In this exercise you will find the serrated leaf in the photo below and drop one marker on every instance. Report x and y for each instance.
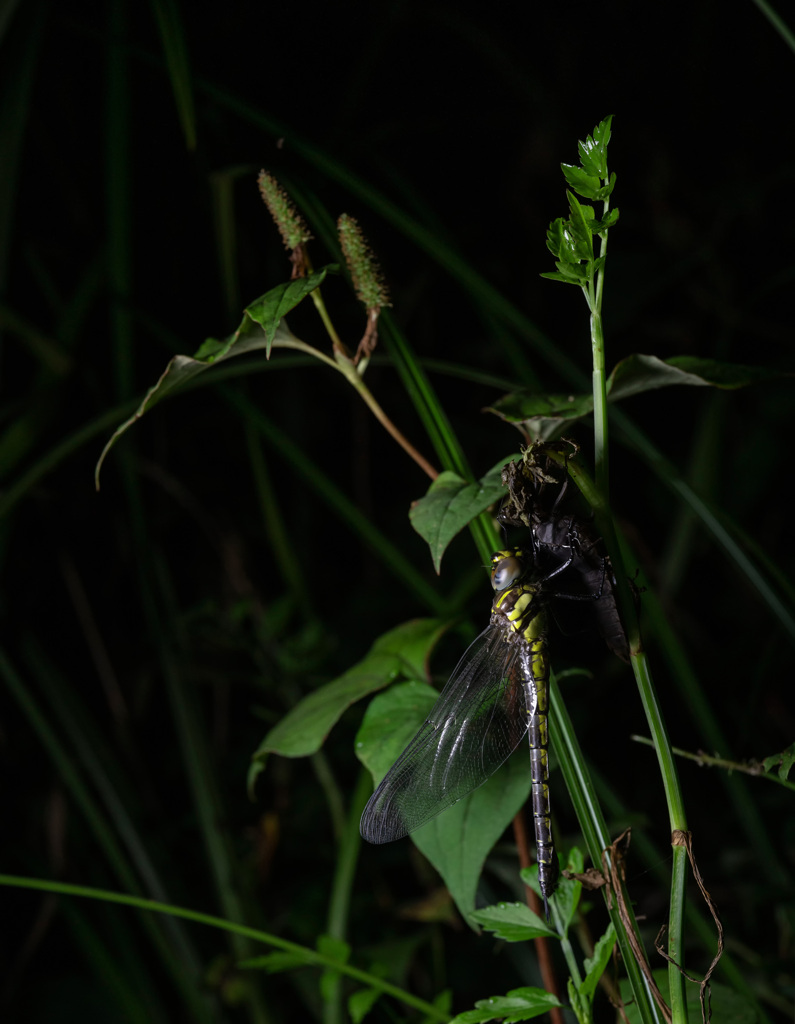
(450, 504)
(594, 966)
(513, 922)
(587, 185)
(304, 729)
(555, 236)
(593, 152)
(599, 226)
(580, 227)
(553, 275)
(519, 1004)
(567, 893)
(573, 273)
(360, 1003)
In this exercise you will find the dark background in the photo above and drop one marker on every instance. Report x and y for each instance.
(460, 116)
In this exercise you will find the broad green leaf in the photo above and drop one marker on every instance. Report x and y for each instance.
(514, 922)
(567, 892)
(460, 838)
(303, 730)
(542, 416)
(390, 721)
(587, 184)
(181, 370)
(361, 1002)
(594, 966)
(639, 373)
(262, 324)
(268, 309)
(458, 841)
(519, 1004)
(450, 504)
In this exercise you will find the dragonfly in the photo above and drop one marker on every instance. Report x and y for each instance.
(562, 540)
(497, 695)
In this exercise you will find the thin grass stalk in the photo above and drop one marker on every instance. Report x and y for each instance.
(127, 984)
(310, 956)
(348, 847)
(360, 525)
(597, 838)
(106, 840)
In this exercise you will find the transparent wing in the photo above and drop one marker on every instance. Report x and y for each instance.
(477, 722)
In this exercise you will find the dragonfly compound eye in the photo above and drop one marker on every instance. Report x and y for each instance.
(505, 572)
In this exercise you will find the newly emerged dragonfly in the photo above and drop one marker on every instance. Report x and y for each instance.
(564, 543)
(497, 695)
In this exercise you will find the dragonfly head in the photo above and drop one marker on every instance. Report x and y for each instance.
(506, 568)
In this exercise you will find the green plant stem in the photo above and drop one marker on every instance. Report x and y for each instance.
(310, 956)
(594, 298)
(350, 843)
(597, 839)
(709, 761)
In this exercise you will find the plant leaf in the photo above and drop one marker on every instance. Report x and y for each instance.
(459, 839)
(582, 181)
(450, 504)
(514, 922)
(783, 761)
(595, 966)
(361, 1002)
(303, 729)
(519, 1004)
(262, 324)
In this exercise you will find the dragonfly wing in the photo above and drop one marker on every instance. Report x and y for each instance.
(477, 722)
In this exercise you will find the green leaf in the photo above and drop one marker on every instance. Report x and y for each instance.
(600, 226)
(519, 1004)
(555, 241)
(269, 308)
(783, 761)
(390, 721)
(459, 839)
(573, 273)
(639, 373)
(593, 152)
(514, 922)
(582, 181)
(542, 416)
(273, 963)
(594, 966)
(567, 893)
(334, 948)
(450, 504)
(360, 1003)
(580, 227)
(303, 730)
